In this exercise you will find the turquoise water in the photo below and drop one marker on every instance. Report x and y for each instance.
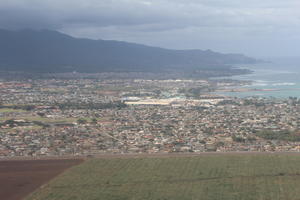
(283, 77)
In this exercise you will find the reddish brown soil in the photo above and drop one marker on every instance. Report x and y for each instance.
(18, 178)
(21, 176)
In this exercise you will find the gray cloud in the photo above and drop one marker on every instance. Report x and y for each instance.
(224, 25)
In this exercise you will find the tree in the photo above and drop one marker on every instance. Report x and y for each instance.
(81, 121)
(94, 121)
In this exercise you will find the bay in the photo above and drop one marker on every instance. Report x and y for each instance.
(280, 79)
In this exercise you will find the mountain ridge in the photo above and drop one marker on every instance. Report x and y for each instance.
(52, 51)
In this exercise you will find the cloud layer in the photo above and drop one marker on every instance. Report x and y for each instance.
(269, 27)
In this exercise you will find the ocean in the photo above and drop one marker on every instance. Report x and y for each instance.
(280, 79)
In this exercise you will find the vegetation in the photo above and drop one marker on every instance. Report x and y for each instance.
(73, 105)
(10, 110)
(30, 118)
(69, 54)
(81, 121)
(16, 108)
(238, 139)
(205, 177)
(195, 92)
(286, 135)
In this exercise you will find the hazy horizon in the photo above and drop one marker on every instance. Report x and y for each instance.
(255, 28)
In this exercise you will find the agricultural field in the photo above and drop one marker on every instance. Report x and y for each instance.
(18, 178)
(205, 177)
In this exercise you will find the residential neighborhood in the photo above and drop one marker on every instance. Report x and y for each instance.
(59, 117)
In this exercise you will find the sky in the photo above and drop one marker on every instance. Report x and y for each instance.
(259, 28)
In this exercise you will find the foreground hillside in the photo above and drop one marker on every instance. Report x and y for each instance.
(207, 177)
(51, 51)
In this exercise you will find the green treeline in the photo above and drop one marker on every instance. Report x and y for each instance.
(285, 135)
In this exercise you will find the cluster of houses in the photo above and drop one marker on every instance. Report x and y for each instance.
(193, 125)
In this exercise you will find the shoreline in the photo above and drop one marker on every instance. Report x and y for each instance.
(262, 82)
(257, 90)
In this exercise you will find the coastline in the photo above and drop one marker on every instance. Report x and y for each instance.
(265, 80)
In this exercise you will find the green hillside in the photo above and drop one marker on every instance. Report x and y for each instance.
(205, 177)
(52, 51)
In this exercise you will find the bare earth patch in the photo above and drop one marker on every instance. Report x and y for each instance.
(18, 178)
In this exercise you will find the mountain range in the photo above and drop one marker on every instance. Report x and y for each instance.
(52, 51)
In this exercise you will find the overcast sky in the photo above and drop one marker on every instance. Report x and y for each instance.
(253, 27)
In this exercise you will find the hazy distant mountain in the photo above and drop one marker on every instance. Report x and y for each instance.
(51, 51)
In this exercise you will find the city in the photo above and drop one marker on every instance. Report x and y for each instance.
(58, 117)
